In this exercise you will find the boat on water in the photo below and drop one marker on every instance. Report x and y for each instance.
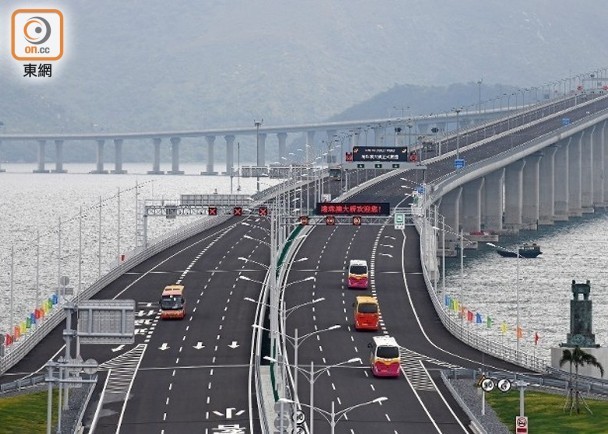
(525, 251)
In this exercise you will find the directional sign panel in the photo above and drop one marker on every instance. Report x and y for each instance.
(380, 153)
(399, 220)
(106, 322)
(353, 208)
(459, 163)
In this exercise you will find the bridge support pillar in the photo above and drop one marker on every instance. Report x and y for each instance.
(574, 176)
(331, 137)
(561, 183)
(99, 165)
(378, 135)
(471, 206)
(599, 155)
(354, 138)
(493, 201)
(282, 138)
(41, 157)
(310, 145)
(603, 142)
(118, 170)
(546, 205)
(156, 163)
(210, 156)
(261, 152)
(513, 196)
(59, 157)
(587, 158)
(175, 157)
(229, 154)
(531, 192)
(450, 209)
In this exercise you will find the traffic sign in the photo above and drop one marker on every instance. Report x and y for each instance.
(487, 384)
(399, 220)
(380, 153)
(420, 189)
(237, 211)
(377, 165)
(459, 163)
(330, 220)
(303, 220)
(263, 211)
(521, 424)
(504, 385)
(212, 210)
(299, 416)
(565, 121)
(356, 220)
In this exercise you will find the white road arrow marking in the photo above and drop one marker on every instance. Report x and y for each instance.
(164, 347)
(198, 346)
(118, 348)
(233, 345)
(388, 245)
(385, 254)
(229, 412)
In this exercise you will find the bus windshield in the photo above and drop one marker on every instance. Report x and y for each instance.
(171, 302)
(387, 352)
(368, 308)
(358, 269)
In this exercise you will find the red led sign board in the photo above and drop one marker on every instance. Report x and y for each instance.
(350, 208)
(379, 153)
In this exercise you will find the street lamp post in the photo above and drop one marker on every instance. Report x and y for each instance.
(312, 377)
(334, 417)
(296, 341)
(458, 110)
(257, 151)
(479, 94)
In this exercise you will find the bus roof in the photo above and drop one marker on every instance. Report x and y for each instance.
(358, 262)
(173, 290)
(366, 299)
(385, 341)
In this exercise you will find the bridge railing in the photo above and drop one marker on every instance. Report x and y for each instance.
(458, 326)
(17, 350)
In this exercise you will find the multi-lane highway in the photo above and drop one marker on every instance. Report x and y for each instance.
(193, 375)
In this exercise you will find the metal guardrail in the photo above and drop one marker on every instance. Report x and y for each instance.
(22, 383)
(16, 351)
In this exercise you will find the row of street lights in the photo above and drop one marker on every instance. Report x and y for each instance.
(278, 330)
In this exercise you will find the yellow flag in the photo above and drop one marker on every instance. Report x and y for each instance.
(503, 327)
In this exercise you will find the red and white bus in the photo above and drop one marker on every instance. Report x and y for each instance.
(358, 274)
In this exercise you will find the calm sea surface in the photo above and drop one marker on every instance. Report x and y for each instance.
(32, 206)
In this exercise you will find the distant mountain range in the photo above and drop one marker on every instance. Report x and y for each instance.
(152, 65)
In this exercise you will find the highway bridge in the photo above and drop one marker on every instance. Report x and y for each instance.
(206, 373)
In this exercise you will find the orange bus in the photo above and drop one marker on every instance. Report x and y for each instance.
(357, 274)
(172, 302)
(384, 358)
(367, 313)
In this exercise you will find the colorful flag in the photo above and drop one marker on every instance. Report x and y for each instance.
(489, 322)
(520, 333)
(503, 327)
(8, 339)
(469, 316)
(536, 338)
(478, 318)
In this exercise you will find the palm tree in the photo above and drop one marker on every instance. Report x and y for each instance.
(577, 357)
